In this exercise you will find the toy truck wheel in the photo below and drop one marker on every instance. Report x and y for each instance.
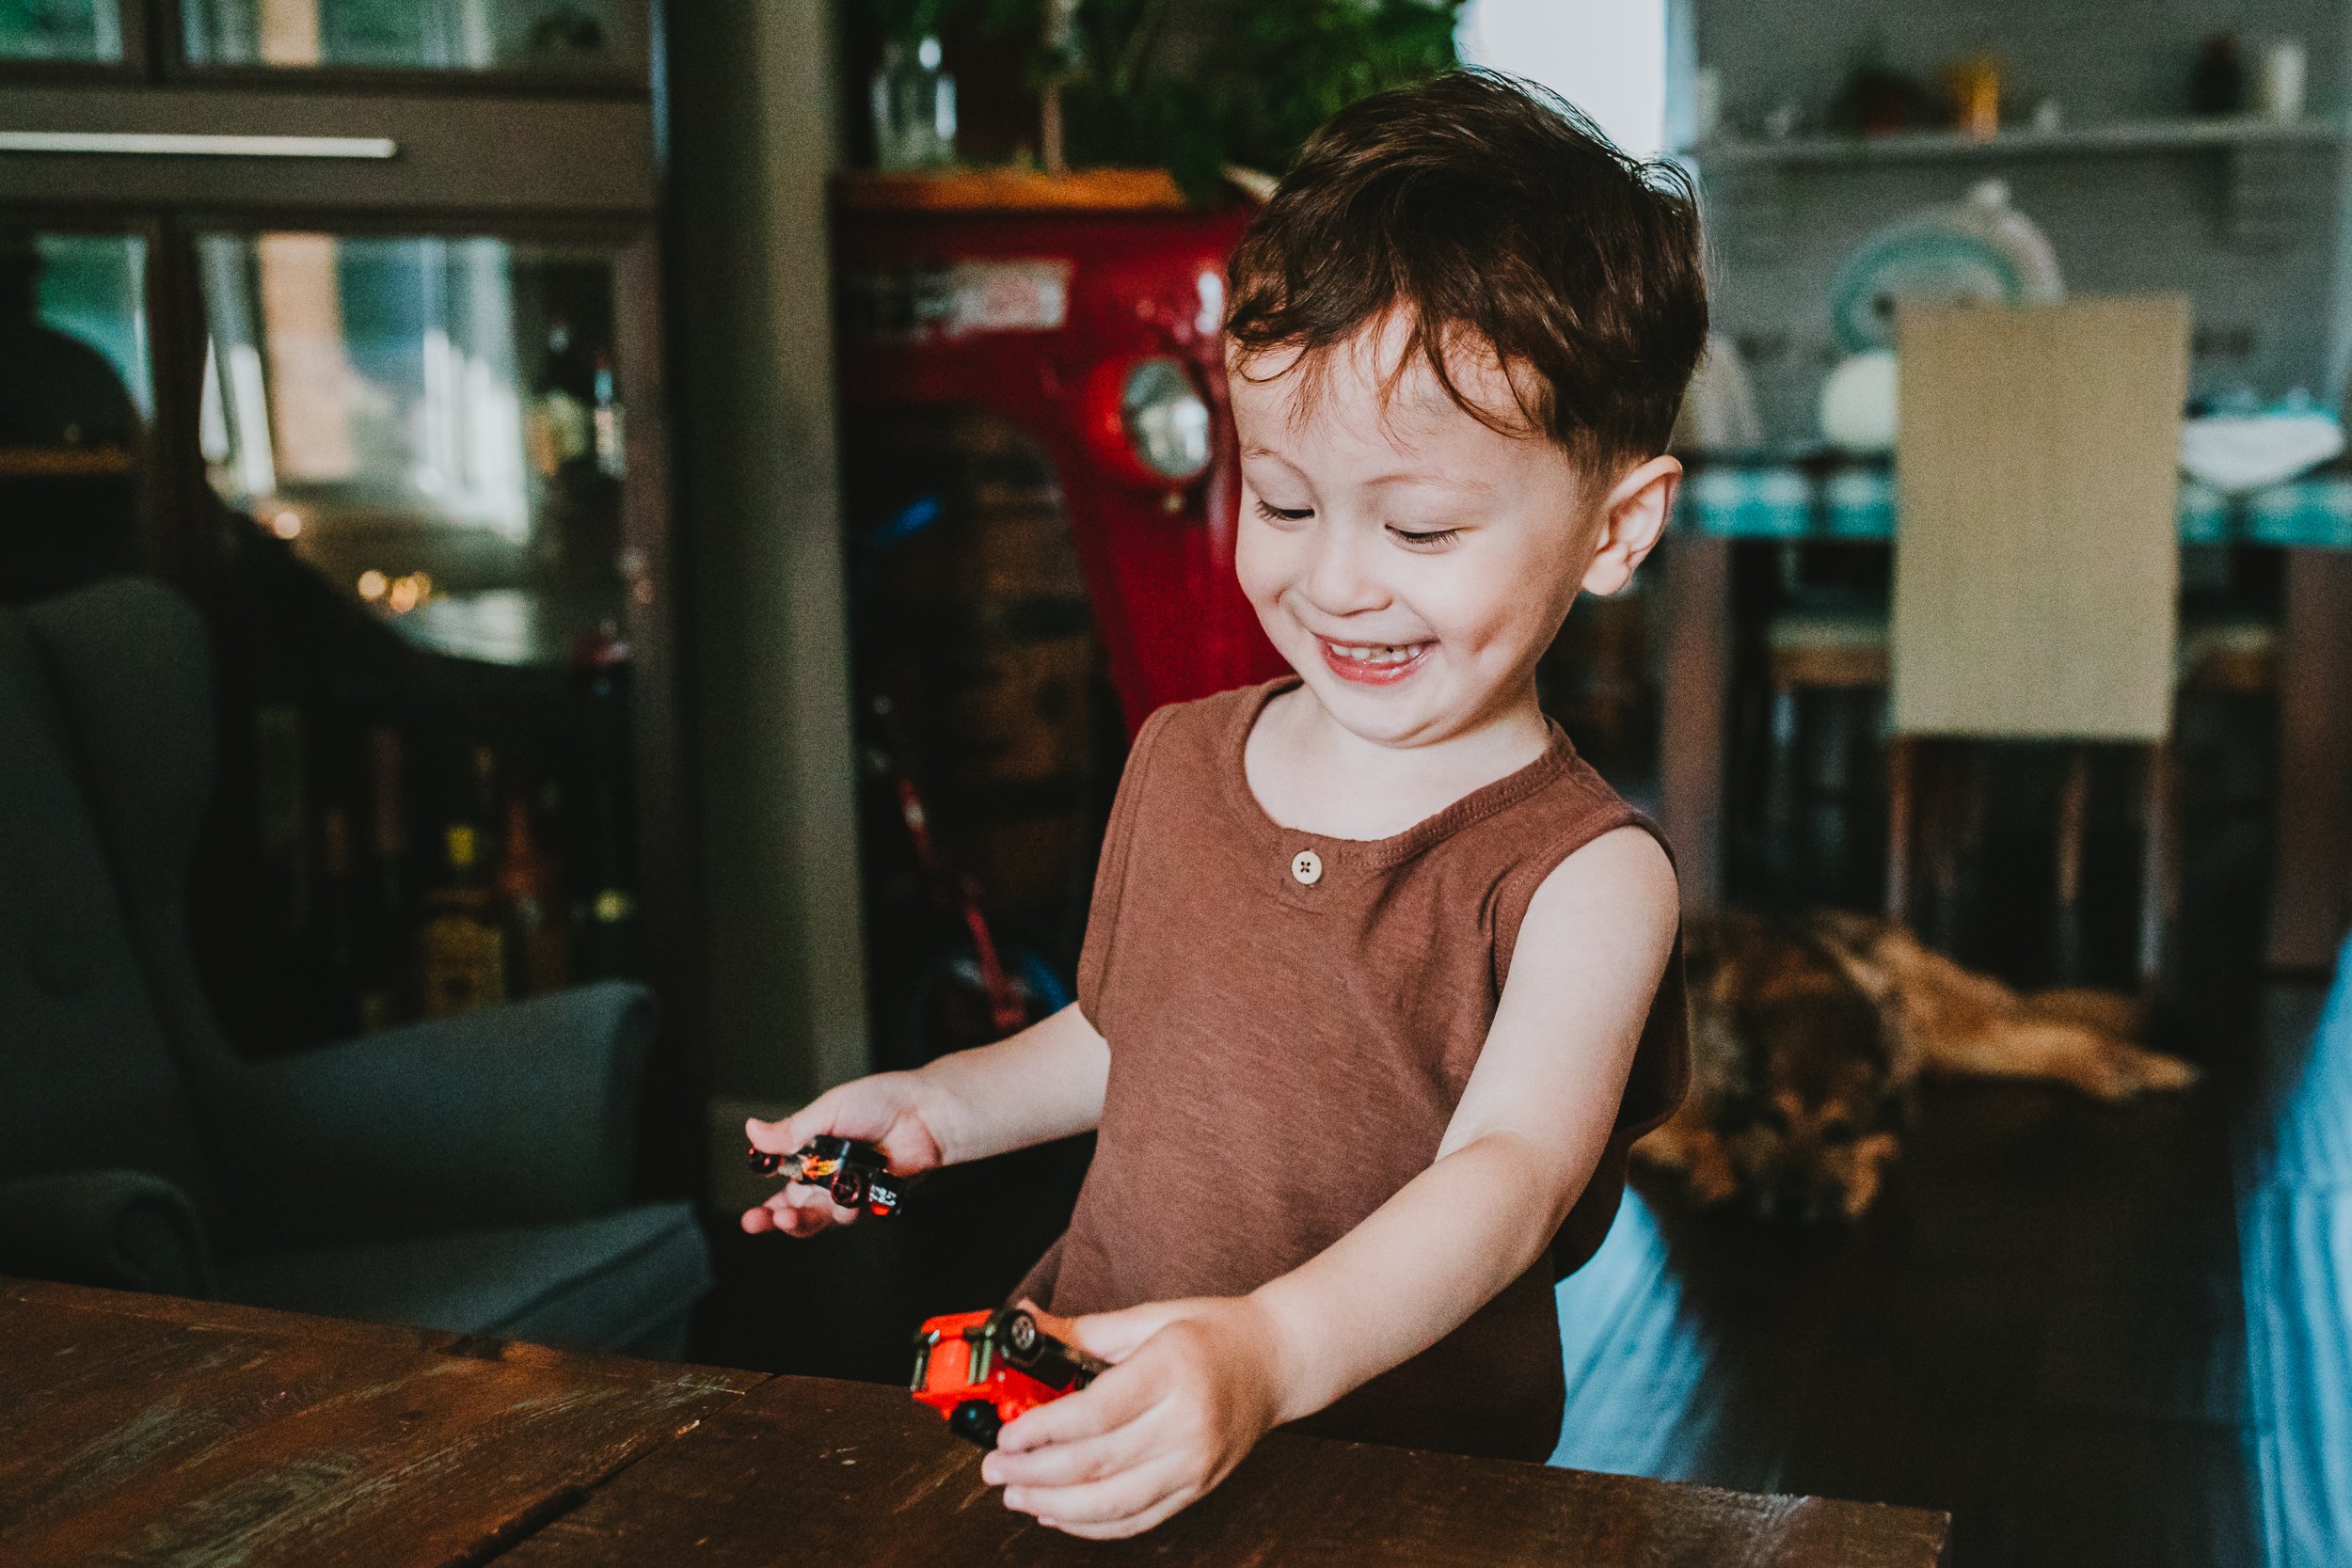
(1021, 1332)
(974, 1420)
(848, 1189)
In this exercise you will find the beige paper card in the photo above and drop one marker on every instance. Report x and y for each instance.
(2037, 560)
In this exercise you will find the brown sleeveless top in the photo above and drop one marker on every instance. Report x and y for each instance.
(1287, 1047)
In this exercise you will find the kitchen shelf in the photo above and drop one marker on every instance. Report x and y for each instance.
(2234, 134)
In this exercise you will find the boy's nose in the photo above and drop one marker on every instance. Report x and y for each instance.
(1337, 582)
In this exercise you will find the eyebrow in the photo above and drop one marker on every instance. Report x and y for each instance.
(1435, 481)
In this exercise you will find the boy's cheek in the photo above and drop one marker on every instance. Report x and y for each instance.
(1254, 551)
(1262, 584)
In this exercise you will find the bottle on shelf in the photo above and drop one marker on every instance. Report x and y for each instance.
(611, 460)
(282, 809)
(558, 430)
(608, 916)
(461, 948)
(540, 950)
(339, 987)
(611, 914)
(483, 813)
(608, 912)
(382, 960)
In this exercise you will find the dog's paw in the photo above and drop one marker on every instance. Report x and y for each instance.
(2136, 1070)
(1693, 1153)
(1867, 1172)
(2115, 1073)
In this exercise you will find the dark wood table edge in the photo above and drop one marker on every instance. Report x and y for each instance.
(228, 1317)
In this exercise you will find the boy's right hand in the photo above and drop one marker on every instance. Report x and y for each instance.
(886, 1109)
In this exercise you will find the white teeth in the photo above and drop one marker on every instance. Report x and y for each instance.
(1375, 653)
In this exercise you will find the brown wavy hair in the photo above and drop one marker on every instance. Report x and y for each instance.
(1495, 216)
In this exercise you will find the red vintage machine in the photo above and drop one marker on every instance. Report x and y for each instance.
(1085, 309)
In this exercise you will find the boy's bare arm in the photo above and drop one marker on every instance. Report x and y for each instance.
(1532, 1125)
(1199, 1382)
(1042, 1083)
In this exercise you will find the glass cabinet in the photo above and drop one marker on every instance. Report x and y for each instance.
(72, 30)
(573, 38)
(417, 450)
(77, 395)
(400, 439)
(435, 425)
(427, 35)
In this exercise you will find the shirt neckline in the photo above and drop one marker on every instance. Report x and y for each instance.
(1375, 853)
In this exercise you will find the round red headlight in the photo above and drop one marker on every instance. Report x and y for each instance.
(1149, 421)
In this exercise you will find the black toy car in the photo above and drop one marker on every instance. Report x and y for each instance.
(855, 1173)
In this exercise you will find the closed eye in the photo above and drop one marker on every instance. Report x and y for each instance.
(1285, 514)
(1424, 539)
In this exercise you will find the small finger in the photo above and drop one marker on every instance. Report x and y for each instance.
(1112, 1500)
(797, 1211)
(822, 1214)
(1066, 1463)
(1109, 1401)
(1116, 1336)
(1184, 1497)
(773, 1137)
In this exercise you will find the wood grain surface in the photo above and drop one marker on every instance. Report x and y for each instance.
(813, 1470)
(152, 1430)
(149, 1430)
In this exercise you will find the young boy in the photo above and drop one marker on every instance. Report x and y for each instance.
(1381, 980)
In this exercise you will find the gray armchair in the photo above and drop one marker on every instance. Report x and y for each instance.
(470, 1175)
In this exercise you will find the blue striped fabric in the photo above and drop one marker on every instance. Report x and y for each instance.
(1780, 501)
(2294, 1230)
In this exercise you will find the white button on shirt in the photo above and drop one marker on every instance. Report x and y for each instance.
(1307, 867)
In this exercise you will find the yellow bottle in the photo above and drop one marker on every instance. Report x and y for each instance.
(462, 949)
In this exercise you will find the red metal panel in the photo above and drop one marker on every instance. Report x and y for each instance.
(1158, 560)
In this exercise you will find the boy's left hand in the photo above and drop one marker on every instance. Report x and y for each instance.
(1193, 1389)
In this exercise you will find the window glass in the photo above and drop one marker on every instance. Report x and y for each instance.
(61, 30)
(433, 424)
(427, 35)
(1607, 57)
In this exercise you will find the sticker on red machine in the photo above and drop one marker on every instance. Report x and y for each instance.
(960, 299)
(1007, 297)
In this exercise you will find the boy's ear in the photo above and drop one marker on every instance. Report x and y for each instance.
(1632, 519)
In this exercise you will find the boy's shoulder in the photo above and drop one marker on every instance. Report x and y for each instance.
(1570, 799)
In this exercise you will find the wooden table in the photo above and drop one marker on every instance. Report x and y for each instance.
(149, 1430)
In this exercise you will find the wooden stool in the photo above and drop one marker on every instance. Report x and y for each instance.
(1961, 789)
(2037, 569)
(1821, 652)
(2234, 654)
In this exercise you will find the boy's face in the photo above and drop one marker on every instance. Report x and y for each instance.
(1412, 562)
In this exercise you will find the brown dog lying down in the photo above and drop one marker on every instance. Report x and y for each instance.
(1807, 1037)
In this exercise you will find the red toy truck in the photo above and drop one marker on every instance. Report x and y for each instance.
(981, 1369)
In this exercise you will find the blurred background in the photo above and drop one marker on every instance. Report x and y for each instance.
(573, 570)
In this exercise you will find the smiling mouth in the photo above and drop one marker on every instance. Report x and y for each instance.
(1374, 663)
